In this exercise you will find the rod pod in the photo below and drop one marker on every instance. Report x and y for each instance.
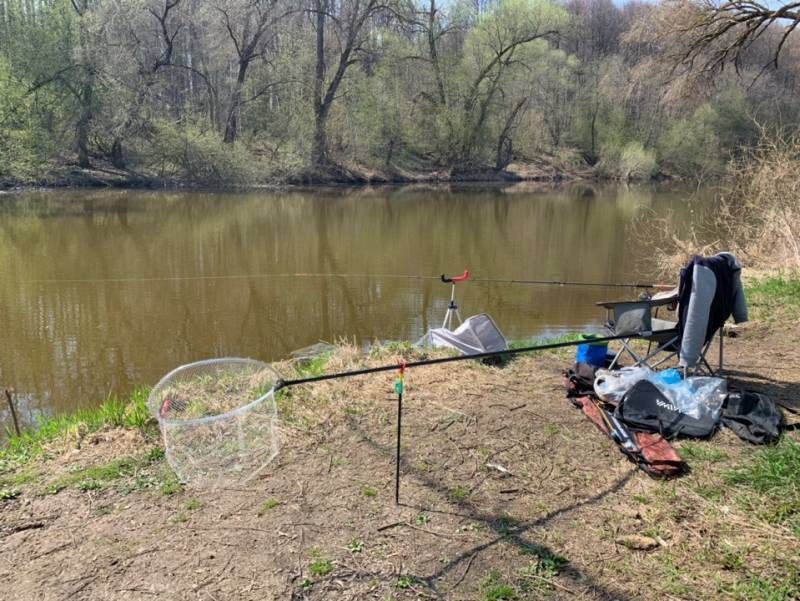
(452, 308)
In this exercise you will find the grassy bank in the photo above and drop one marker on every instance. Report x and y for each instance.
(570, 518)
(113, 413)
(774, 297)
(248, 173)
(53, 436)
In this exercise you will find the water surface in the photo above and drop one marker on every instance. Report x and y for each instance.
(105, 290)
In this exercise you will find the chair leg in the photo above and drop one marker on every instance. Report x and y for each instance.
(721, 334)
(704, 360)
(616, 358)
(664, 360)
(660, 349)
(636, 358)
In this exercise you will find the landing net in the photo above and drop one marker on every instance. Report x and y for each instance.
(218, 419)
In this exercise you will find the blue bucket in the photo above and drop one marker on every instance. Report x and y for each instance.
(593, 353)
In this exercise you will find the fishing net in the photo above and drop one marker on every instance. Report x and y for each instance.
(218, 419)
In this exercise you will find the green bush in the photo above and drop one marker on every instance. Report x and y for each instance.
(200, 157)
(24, 144)
(630, 161)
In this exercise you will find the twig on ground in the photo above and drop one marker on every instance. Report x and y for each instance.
(464, 574)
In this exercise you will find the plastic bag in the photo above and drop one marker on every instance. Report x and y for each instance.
(697, 396)
(611, 385)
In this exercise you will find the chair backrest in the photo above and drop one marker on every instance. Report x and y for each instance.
(710, 292)
(632, 317)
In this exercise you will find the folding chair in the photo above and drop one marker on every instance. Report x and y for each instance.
(640, 320)
(710, 291)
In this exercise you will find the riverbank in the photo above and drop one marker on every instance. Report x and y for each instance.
(103, 174)
(90, 508)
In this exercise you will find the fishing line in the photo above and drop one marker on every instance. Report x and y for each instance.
(300, 275)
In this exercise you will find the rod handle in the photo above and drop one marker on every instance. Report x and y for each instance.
(455, 279)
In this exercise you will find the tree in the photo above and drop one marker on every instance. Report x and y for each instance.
(147, 67)
(247, 25)
(350, 19)
(490, 51)
(84, 89)
(719, 33)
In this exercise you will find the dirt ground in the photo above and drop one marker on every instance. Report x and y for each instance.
(507, 492)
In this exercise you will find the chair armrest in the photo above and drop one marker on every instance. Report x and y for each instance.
(671, 294)
(652, 302)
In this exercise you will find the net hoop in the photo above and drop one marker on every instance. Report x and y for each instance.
(153, 402)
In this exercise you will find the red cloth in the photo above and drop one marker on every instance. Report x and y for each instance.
(656, 456)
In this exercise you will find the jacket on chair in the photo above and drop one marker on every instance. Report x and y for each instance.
(710, 292)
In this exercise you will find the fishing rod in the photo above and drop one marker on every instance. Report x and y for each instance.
(190, 278)
(570, 283)
(400, 384)
(424, 362)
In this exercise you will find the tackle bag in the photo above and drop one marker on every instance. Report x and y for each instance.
(752, 417)
(645, 408)
(579, 379)
(650, 451)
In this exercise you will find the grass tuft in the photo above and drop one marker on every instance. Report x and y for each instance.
(6, 494)
(113, 413)
(493, 588)
(320, 566)
(773, 297)
(774, 473)
(701, 451)
(313, 366)
(266, 506)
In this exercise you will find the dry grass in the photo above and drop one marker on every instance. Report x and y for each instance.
(760, 212)
(215, 392)
(320, 522)
(756, 214)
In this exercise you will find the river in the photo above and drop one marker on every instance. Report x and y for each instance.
(106, 290)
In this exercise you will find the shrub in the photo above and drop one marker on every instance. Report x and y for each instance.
(200, 157)
(760, 210)
(756, 214)
(629, 162)
(24, 144)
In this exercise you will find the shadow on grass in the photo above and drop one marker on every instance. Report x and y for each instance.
(787, 394)
(505, 531)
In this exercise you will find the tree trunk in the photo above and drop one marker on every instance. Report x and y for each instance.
(476, 126)
(323, 102)
(434, 54)
(85, 118)
(86, 93)
(594, 133)
(504, 145)
(117, 154)
(319, 149)
(232, 123)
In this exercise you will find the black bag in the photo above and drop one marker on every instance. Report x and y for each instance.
(579, 380)
(645, 408)
(753, 417)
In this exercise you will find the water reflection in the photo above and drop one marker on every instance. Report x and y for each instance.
(106, 290)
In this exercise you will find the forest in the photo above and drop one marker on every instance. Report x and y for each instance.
(240, 92)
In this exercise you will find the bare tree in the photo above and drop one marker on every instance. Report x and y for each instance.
(720, 33)
(147, 72)
(247, 26)
(349, 23)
